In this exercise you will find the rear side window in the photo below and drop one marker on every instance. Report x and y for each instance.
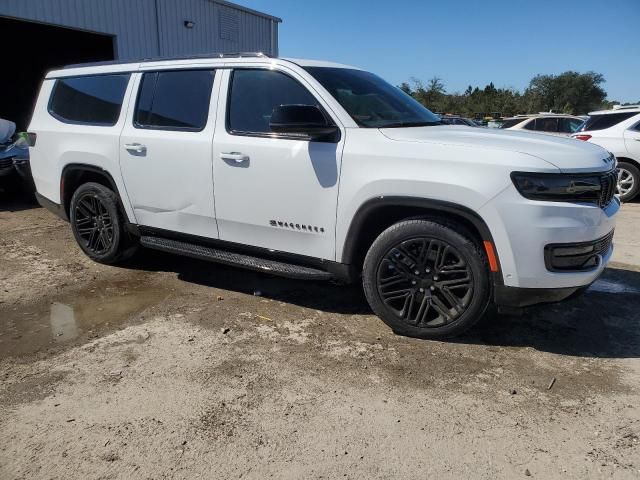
(546, 125)
(175, 100)
(608, 120)
(254, 95)
(90, 100)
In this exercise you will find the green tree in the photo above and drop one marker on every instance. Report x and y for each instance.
(406, 88)
(569, 92)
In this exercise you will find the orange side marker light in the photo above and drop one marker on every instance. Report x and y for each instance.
(491, 255)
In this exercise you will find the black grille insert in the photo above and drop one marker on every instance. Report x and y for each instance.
(609, 182)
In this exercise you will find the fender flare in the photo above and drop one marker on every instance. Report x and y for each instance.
(368, 208)
(88, 168)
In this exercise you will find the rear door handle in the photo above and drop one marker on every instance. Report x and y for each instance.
(234, 156)
(136, 147)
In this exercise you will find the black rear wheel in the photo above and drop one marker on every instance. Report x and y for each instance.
(426, 279)
(98, 226)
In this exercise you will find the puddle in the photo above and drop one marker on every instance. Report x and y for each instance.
(609, 286)
(26, 330)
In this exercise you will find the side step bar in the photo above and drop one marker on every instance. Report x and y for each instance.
(273, 267)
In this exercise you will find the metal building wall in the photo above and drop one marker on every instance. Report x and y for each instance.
(218, 28)
(149, 28)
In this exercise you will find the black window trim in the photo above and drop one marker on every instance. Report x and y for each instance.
(140, 126)
(281, 136)
(87, 124)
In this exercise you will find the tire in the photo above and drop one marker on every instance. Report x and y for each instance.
(628, 180)
(98, 225)
(402, 278)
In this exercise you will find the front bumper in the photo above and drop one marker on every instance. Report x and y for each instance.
(522, 230)
(515, 297)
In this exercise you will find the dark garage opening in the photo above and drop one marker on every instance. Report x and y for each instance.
(25, 67)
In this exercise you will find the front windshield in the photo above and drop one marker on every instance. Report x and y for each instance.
(371, 101)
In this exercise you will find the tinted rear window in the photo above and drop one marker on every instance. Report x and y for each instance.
(600, 122)
(93, 100)
(546, 125)
(175, 100)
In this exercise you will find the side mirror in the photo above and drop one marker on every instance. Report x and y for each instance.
(301, 120)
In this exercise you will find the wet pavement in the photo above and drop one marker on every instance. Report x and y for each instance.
(84, 313)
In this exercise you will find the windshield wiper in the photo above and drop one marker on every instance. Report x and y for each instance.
(409, 124)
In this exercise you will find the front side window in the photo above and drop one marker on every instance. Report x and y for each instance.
(174, 100)
(91, 100)
(570, 125)
(255, 93)
(370, 101)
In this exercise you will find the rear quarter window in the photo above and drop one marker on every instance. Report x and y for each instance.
(607, 120)
(89, 100)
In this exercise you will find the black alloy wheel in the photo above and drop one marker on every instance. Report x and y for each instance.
(427, 278)
(93, 223)
(98, 225)
(425, 281)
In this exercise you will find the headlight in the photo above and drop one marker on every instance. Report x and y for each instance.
(558, 187)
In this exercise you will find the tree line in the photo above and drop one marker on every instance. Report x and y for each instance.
(569, 92)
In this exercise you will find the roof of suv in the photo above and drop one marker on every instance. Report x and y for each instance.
(618, 109)
(185, 61)
(540, 115)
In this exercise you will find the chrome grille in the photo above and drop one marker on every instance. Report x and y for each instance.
(609, 183)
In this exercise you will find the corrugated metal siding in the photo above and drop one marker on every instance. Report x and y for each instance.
(133, 22)
(218, 28)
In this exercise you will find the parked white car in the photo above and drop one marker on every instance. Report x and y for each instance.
(549, 123)
(618, 130)
(315, 170)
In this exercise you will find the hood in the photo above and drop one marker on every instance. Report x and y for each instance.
(568, 154)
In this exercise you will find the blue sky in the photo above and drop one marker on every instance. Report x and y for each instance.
(468, 42)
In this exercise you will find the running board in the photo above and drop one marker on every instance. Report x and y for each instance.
(257, 264)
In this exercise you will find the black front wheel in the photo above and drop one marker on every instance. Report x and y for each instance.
(427, 279)
(98, 226)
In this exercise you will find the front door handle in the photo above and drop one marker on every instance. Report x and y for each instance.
(235, 156)
(136, 148)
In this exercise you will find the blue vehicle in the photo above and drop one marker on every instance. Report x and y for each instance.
(14, 152)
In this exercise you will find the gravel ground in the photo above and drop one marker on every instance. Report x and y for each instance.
(174, 368)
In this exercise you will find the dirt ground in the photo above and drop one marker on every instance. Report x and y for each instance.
(174, 368)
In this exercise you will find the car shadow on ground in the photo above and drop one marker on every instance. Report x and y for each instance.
(324, 296)
(604, 322)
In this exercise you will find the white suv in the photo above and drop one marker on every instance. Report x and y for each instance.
(315, 170)
(618, 130)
